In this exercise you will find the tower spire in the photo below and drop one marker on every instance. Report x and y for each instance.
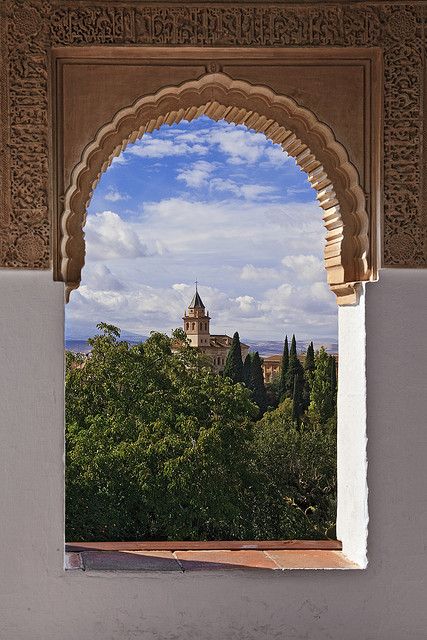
(196, 321)
(196, 302)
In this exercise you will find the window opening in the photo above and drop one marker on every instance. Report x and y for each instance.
(155, 420)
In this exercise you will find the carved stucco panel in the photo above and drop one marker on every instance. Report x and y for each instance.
(25, 226)
(30, 28)
(281, 119)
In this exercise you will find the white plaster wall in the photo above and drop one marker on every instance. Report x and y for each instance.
(352, 511)
(38, 601)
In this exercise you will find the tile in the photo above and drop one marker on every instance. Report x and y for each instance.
(129, 561)
(73, 561)
(312, 559)
(224, 560)
(204, 545)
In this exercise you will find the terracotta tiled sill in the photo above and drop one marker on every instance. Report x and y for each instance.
(211, 556)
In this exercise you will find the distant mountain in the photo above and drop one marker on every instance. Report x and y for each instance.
(132, 337)
(272, 347)
(81, 345)
(265, 348)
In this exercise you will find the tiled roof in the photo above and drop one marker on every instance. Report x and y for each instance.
(196, 302)
(221, 338)
(275, 358)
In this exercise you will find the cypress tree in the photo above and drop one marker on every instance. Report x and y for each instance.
(284, 369)
(259, 392)
(297, 401)
(294, 369)
(309, 366)
(234, 365)
(309, 359)
(247, 370)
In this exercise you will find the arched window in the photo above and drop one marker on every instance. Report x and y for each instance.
(300, 267)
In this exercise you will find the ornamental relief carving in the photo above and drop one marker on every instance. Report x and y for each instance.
(29, 28)
(282, 120)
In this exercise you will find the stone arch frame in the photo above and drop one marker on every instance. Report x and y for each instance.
(297, 129)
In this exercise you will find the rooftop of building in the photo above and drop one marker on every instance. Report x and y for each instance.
(196, 302)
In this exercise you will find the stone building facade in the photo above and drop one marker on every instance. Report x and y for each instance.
(271, 366)
(197, 328)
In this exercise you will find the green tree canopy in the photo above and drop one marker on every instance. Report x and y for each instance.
(323, 394)
(259, 393)
(297, 466)
(157, 444)
(309, 367)
(234, 365)
(160, 447)
(294, 369)
(247, 365)
(284, 369)
(309, 364)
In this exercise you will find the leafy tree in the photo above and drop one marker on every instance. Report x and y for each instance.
(273, 389)
(160, 447)
(322, 396)
(296, 492)
(257, 385)
(234, 365)
(157, 444)
(284, 368)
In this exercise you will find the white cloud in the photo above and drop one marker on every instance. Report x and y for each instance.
(118, 160)
(277, 300)
(197, 175)
(246, 191)
(258, 259)
(276, 155)
(247, 304)
(306, 267)
(239, 144)
(243, 146)
(230, 231)
(99, 276)
(149, 147)
(321, 291)
(108, 237)
(257, 191)
(224, 185)
(294, 191)
(180, 286)
(115, 196)
(250, 272)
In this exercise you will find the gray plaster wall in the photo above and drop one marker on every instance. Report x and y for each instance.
(38, 601)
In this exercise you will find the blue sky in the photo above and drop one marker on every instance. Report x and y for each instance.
(214, 202)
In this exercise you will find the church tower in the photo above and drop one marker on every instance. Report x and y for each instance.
(196, 322)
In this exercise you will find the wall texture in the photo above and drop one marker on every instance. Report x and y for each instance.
(38, 601)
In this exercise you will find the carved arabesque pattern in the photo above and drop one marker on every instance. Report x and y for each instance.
(33, 26)
(295, 128)
(24, 218)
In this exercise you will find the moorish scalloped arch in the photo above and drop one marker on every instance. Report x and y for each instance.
(297, 129)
